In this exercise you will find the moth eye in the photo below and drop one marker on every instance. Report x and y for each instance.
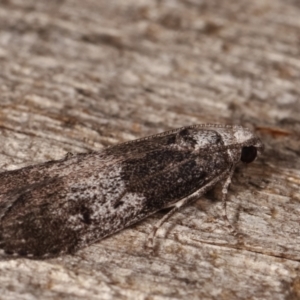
(248, 154)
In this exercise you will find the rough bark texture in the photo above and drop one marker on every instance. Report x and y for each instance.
(81, 75)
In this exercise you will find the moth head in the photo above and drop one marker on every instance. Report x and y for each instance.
(251, 145)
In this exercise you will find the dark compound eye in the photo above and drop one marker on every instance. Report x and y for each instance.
(248, 154)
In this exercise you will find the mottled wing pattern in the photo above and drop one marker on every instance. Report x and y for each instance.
(60, 206)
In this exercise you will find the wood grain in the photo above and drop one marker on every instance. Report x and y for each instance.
(82, 75)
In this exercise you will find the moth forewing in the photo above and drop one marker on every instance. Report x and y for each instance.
(61, 206)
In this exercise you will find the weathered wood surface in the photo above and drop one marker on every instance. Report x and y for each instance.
(82, 75)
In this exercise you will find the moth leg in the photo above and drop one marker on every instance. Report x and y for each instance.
(152, 234)
(224, 194)
(196, 195)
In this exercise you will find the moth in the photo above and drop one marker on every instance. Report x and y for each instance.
(58, 207)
